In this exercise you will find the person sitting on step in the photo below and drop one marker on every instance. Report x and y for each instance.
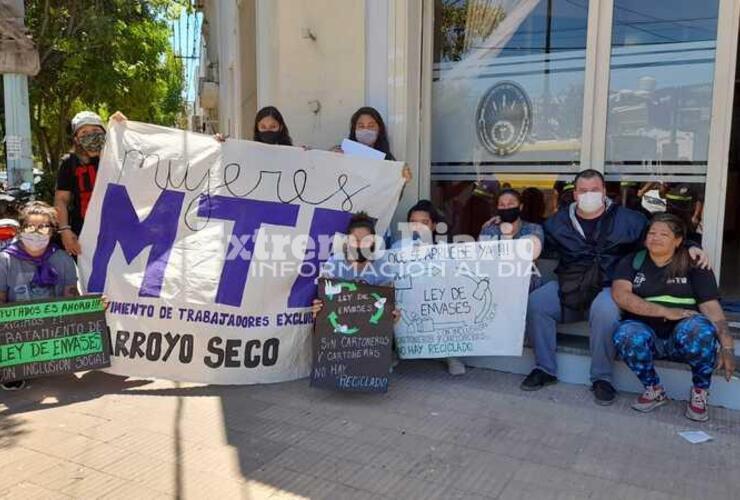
(672, 311)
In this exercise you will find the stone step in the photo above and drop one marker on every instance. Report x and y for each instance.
(577, 344)
(574, 362)
(580, 328)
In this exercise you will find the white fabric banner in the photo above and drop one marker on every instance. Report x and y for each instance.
(208, 251)
(462, 299)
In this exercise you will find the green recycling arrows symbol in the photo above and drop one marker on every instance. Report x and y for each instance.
(333, 317)
(334, 320)
(379, 313)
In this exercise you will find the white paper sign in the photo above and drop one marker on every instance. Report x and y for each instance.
(359, 150)
(204, 249)
(13, 147)
(464, 299)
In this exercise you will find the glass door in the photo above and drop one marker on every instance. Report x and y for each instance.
(659, 106)
(506, 104)
(525, 93)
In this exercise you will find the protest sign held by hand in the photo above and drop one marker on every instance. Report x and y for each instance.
(353, 337)
(52, 337)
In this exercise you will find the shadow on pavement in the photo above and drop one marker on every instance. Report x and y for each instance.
(52, 392)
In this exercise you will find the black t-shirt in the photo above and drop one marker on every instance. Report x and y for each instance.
(589, 226)
(652, 283)
(79, 179)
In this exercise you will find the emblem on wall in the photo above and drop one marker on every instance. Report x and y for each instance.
(504, 118)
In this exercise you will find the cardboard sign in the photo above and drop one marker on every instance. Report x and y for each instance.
(462, 299)
(52, 337)
(353, 337)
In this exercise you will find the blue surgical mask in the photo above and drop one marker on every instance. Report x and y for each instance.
(366, 136)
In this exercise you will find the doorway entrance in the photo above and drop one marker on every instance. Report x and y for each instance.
(730, 276)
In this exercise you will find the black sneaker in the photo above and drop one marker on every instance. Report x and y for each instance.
(536, 380)
(604, 392)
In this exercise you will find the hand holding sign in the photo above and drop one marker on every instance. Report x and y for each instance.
(52, 337)
(354, 334)
(465, 299)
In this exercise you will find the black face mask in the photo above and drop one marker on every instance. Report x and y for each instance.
(509, 214)
(270, 137)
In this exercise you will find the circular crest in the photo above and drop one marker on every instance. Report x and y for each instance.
(504, 118)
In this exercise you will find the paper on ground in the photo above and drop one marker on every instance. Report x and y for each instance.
(695, 437)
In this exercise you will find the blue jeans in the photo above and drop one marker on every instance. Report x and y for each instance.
(693, 342)
(544, 312)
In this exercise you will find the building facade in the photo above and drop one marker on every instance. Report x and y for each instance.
(483, 94)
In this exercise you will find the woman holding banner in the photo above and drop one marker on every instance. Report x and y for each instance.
(34, 268)
(77, 174)
(270, 127)
(367, 127)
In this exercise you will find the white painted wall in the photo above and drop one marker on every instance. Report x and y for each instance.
(295, 73)
(365, 52)
(228, 72)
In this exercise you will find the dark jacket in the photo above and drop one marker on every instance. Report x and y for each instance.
(625, 233)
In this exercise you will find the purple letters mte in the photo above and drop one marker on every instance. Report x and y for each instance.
(120, 225)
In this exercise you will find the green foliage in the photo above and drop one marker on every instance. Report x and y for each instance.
(462, 25)
(103, 55)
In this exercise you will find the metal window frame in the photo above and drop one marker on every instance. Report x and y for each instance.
(595, 107)
(720, 128)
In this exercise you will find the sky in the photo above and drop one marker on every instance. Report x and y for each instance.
(185, 40)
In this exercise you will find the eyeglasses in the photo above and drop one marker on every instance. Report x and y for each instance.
(41, 229)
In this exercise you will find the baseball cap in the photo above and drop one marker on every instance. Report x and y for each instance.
(86, 118)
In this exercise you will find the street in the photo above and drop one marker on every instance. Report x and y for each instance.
(430, 436)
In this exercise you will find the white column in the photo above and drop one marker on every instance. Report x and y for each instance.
(237, 59)
(596, 84)
(267, 36)
(376, 55)
(404, 91)
(720, 129)
(425, 102)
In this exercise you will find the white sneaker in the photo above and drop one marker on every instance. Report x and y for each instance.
(455, 367)
(696, 408)
(653, 397)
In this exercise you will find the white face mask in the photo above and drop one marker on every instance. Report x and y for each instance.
(34, 242)
(591, 202)
(366, 136)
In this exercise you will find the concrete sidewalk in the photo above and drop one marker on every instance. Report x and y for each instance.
(431, 436)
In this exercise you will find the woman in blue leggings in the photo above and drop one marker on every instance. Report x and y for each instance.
(671, 310)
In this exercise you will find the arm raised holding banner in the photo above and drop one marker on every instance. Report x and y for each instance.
(77, 174)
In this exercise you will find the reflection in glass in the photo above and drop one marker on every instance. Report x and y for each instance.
(507, 84)
(467, 205)
(660, 102)
(660, 92)
(507, 100)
